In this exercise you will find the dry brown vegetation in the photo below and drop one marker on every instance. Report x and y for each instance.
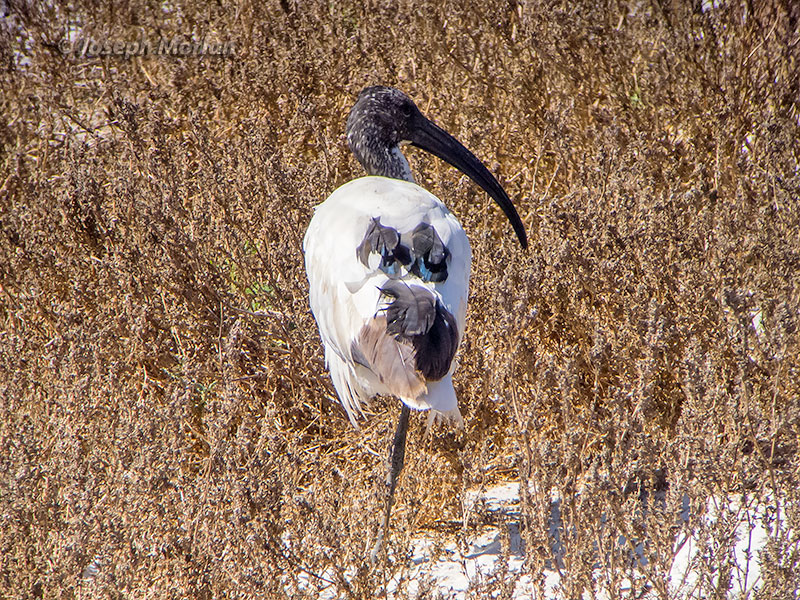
(167, 426)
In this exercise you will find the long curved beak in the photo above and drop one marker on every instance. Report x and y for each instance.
(432, 138)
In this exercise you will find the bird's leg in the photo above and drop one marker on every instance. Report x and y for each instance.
(397, 457)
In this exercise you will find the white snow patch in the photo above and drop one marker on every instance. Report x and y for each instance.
(453, 573)
(748, 523)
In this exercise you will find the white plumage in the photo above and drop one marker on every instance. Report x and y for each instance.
(345, 294)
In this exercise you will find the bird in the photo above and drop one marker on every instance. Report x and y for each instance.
(388, 268)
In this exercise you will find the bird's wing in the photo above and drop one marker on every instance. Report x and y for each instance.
(345, 290)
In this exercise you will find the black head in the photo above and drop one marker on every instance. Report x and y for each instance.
(383, 118)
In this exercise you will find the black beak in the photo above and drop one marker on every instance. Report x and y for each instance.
(432, 138)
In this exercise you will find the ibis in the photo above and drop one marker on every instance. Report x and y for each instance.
(388, 269)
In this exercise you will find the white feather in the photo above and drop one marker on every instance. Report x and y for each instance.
(345, 294)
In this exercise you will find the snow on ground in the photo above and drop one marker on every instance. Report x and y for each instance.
(454, 573)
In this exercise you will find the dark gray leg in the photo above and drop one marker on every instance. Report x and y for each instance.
(397, 457)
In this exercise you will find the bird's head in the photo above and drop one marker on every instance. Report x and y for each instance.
(384, 118)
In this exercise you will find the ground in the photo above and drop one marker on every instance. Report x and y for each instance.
(167, 425)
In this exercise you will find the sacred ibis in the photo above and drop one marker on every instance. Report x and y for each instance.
(388, 268)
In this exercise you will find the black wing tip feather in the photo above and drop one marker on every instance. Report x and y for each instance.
(421, 251)
(411, 311)
(417, 316)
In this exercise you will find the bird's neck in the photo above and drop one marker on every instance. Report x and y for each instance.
(397, 166)
(379, 159)
(387, 162)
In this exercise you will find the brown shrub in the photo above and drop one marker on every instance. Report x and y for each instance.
(167, 424)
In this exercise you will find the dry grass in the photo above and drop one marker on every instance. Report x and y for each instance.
(166, 422)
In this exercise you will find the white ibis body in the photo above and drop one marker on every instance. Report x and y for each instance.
(352, 298)
(388, 266)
